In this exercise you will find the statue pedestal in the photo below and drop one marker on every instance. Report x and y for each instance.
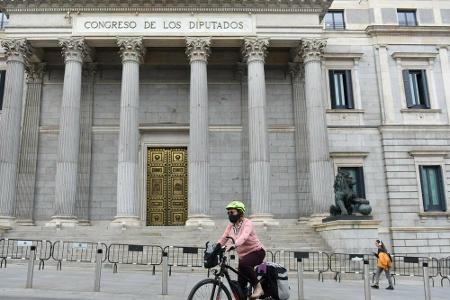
(349, 234)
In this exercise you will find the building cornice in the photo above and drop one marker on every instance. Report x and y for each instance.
(389, 30)
(164, 6)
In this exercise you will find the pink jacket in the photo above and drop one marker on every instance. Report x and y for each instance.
(245, 237)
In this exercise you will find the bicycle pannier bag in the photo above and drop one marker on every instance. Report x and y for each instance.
(211, 255)
(275, 280)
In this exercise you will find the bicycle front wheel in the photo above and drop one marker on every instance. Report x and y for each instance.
(209, 289)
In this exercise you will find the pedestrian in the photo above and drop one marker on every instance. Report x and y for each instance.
(384, 263)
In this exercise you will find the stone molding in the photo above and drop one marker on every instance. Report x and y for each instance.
(393, 30)
(255, 49)
(74, 49)
(17, 50)
(198, 48)
(136, 6)
(131, 49)
(35, 72)
(311, 49)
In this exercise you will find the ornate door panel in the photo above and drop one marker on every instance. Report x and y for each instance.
(166, 186)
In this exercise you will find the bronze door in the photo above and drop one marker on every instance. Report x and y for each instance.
(166, 186)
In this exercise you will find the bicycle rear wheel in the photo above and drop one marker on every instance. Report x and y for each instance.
(209, 289)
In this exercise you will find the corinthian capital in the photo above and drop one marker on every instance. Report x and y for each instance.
(198, 48)
(17, 49)
(255, 49)
(35, 72)
(311, 49)
(131, 49)
(74, 49)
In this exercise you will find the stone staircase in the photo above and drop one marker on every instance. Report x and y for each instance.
(289, 235)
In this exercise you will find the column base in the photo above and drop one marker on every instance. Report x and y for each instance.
(316, 219)
(126, 221)
(84, 223)
(264, 220)
(200, 221)
(7, 222)
(25, 222)
(59, 222)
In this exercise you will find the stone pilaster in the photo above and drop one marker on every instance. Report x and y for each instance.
(29, 146)
(254, 52)
(131, 52)
(297, 72)
(84, 158)
(197, 50)
(75, 52)
(17, 52)
(320, 165)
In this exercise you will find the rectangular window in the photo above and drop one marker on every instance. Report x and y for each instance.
(335, 20)
(433, 194)
(3, 20)
(341, 90)
(416, 88)
(2, 87)
(357, 175)
(406, 17)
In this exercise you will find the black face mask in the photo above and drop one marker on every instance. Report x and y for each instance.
(233, 218)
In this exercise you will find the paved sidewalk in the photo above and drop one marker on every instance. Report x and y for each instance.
(77, 283)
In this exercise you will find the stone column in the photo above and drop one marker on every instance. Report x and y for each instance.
(301, 142)
(320, 165)
(197, 50)
(84, 158)
(29, 146)
(17, 52)
(74, 51)
(132, 52)
(254, 52)
(445, 70)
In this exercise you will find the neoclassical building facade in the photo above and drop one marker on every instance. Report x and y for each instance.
(158, 113)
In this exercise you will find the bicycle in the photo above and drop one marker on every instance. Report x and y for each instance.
(215, 289)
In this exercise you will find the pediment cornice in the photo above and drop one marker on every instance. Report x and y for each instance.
(168, 6)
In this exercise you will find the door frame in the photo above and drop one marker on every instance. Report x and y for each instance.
(160, 138)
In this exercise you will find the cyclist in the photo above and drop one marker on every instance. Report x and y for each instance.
(248, 247)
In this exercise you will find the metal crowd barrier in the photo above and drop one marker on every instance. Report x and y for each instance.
(20, 249)
(179, 256)
(75, 251)
(150, 255)
(343, 263)
(317, 262)
(444, 269)
(413, 266)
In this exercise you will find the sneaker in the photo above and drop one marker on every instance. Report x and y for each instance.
(390, 287)
(375, 286)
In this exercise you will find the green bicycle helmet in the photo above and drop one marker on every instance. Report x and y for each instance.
(236, 205)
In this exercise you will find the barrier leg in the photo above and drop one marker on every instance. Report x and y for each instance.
(165, 273)
(1, 263)
(153, 270)
(301, 294)
(29, 284)
(366, 281)
(41, 264)
(426, 281)
(98, 270)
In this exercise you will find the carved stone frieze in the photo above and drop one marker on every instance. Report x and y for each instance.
(198, 48)
(17, 49)
(135, 6)
(311, 49)
(255, 49)
(131, 49)
(74, 49)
